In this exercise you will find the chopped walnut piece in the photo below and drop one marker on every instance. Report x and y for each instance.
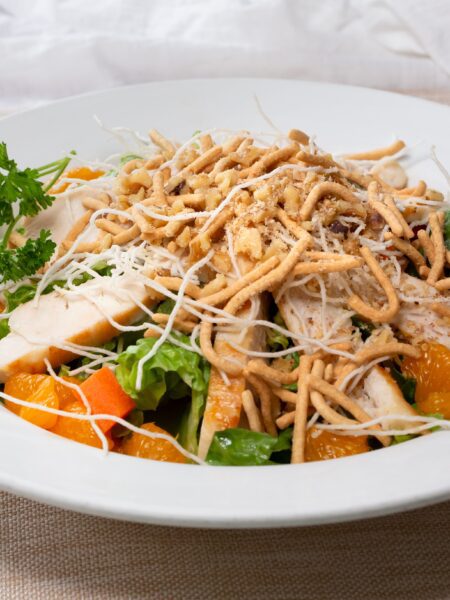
(184, 238)
(222, 262)
(351, 246)
(292, 199)
(249, 242)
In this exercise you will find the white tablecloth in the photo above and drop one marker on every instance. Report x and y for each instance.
(52, 554)
(51, 49)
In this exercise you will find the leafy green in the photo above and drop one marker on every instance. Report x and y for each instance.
(295, 358)
(166, 306)
(26, 260)
(435, 416)
(447, 229)
(276, 340)
(22, 294)
(399, 439)
(241, 447)
(407, 385)
(431, 415)
(23, 194)
(117, 344)
(4, 328)
(64, 371)
(278, 320)
(136, 417)
(111, 345)
(411, 270)
(20, 186)
(364, 327)
(127, 157)
(196, 132)
(172, 373)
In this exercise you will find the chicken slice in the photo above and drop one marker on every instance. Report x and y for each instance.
(303, 315)
(62, 215)
(416, 320)
(384, 397)
(224, 402)
(80, 317)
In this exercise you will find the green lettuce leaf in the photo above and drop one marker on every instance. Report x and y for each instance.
(242, 447)
(22, 294)
(407, 385)
(166, 306)
(275, 339)
(364, 327)
(172, 373)
(400, 439)
(127, 157)
(136, 417)
(4, 328)
(447, 229)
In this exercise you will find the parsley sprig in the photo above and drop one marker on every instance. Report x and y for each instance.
(23, 194)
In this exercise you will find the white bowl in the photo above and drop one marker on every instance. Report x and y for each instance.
(45, 467)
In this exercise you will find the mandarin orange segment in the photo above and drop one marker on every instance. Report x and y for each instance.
(66, 394)
(22, 386)
(79, 173)
(437, 403)
(156, 449)
(432, 373)
(77, 429)
(46, 396)
(323, 445)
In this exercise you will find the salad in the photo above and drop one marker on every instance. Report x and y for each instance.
(239, 299)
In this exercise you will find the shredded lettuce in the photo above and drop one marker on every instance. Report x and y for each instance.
(241, 447)
(407, 385)
(136, 418)
(172, 373)
(364, 327)
(22, 294)
(127, 157)
(196, 132)
(166, 306)
(447, 229)
(399, 439)
(275, 339)
(4, 328)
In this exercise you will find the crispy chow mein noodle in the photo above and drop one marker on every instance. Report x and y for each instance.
(256, 287)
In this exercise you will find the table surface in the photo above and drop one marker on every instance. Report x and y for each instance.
(51, 554)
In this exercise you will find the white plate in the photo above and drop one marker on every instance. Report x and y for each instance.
(45, 467)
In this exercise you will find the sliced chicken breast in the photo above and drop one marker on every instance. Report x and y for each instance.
(416, 320)
(303, 314)
(62, 215)
(384, 397)
(39, 331)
